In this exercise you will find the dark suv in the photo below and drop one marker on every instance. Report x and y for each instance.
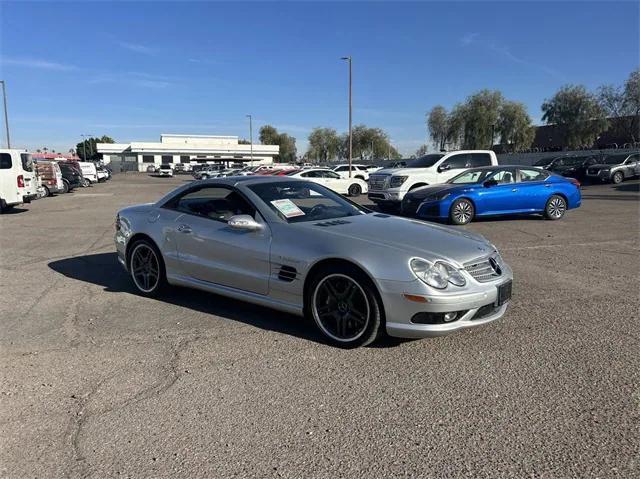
(571, 166)
(71, 177)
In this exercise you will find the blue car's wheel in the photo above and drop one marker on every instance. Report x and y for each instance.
(461, 212)
(556, 207)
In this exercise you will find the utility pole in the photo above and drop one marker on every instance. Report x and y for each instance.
(350, 115)
(84, 145)
(6, 115)
(251, 136)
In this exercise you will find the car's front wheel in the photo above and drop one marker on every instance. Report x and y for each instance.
(147, 268)
(617, 178)
(462, 212)
(355, 190)
(343, 303)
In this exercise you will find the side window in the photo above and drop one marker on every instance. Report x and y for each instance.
(27, 161)
(456, 161)
(480, 159)
(504, 177)
(310, 174)
(5, 161)
(213, 202)
(330, 174)
(342, 168)
(532, 175)
(632, 159)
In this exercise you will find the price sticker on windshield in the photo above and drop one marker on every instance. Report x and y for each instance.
(288, 208)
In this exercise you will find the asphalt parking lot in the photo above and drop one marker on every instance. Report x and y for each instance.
(100, 382)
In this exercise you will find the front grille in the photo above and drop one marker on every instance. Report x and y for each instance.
(483, 270)
(378, 182)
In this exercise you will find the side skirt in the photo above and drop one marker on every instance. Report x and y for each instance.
(180, 280)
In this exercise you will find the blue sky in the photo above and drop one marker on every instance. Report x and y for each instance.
(135, 70)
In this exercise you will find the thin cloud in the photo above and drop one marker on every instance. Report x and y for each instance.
(137, 79)
(38, 63)
(468, 39)
(138, 48)
(505, 52)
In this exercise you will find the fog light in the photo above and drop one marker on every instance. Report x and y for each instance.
(448, 317)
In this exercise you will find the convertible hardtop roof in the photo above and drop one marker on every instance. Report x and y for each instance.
(249, 180)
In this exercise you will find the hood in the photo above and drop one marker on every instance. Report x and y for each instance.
(418, 238)
(392, 171)
(426, 191)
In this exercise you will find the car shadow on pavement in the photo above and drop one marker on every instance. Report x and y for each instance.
(628, 187)
(103, 269)
(14, 211)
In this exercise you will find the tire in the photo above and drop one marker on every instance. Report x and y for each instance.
(46, 192)
(85, 183)
(155, 283)
(65, 186)
(461, 212)
(555, 208)
(345, 306)
(204, 177)
(355, 190)
(617, 178)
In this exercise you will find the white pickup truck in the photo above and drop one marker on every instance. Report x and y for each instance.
(388, 187)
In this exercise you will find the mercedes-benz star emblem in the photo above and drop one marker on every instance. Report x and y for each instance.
(496, 267)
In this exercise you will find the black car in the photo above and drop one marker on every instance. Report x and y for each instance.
(71, 177)
(571, 166)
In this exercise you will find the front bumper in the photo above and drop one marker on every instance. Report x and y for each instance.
(385, 196)
(476, 304)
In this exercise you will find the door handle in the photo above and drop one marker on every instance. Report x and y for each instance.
(184, 229)
(514, 189)
(547, 186)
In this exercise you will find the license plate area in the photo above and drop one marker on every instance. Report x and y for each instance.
(504, 293)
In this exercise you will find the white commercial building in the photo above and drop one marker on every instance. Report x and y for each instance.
(225, 150)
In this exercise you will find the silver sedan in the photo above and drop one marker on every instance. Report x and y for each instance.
(298, 247)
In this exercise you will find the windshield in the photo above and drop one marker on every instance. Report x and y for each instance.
(543, 161)
(471, 177)
(301, 201)
(424, 161)
(614, 160)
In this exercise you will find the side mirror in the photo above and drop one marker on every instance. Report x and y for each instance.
(443, 167)
(243, 223)
(490, 183)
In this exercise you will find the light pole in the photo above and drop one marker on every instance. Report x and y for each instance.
(350, 116)
(84, 144)
(6, 116)
(251, 136)
(389, 145)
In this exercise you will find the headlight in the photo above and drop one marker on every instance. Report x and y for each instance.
(398, 180)
(437, 275)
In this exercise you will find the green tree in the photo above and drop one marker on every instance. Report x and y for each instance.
(324, 144)
(270, 136)
(579, 112)
(622, 103)
(370, 143)
(243, 141)
(87, 149)
(514, 126)
(438, 126)
(423, 150)
(480, 113)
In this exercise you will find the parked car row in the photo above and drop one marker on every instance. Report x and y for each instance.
(23, 179)
(612, 168)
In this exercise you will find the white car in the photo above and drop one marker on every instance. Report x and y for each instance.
(333, 181)
(165, 170)
(387, 187)
(89, 172)
(357, 171)
(17, 179)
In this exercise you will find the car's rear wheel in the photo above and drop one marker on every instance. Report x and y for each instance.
(461, 212)
(147, 268)
(555, 208)
(46, 192)
(617, 178)
(65, 186)
(355, 190)
(344, 304)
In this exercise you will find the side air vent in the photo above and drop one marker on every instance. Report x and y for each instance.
(333, 223)
(287, 273)
(381, 215)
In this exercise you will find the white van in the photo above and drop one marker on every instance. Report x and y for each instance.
(89, 171)
(17, 178)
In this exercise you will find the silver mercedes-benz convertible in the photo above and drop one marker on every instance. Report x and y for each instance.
(298, 247)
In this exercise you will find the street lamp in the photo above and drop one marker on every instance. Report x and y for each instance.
(84, 144)
(6, 116)
(251, 136)
(350, 116)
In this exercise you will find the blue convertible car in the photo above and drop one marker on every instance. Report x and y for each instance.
(495, 190)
